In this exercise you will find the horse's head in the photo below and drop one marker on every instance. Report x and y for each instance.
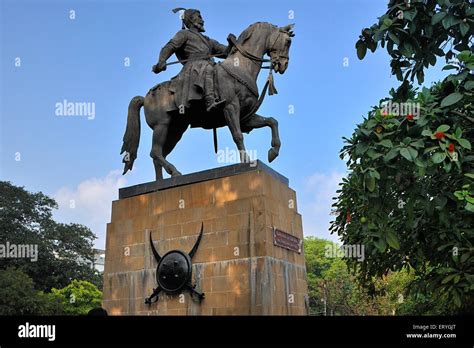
(279, 47)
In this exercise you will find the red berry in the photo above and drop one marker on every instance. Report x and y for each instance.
(410, 117)
(451, 147)
(439, 135)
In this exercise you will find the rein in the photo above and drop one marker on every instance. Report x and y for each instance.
(269, 84)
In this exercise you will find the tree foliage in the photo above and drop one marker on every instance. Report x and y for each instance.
(79, 297)
(18, 295)
(26, 218)
(416, 32)
(333, 290)
(409, 194)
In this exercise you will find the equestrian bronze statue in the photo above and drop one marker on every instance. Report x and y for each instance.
(209, 95)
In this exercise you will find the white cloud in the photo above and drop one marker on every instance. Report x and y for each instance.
(90, 203)
(316, 209)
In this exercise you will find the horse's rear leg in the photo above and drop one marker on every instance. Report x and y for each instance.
(175, 133)
(257, 121)
(160, 133)
(158, 170)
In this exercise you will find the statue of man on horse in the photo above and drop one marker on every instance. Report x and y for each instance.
(195, 51)
(209, 95)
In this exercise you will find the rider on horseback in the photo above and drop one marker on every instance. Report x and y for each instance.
(195, 51)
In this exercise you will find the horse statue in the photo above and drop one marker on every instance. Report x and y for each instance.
(235, 79)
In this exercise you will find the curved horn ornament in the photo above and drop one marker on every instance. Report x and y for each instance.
(155, 253)
(196, 245)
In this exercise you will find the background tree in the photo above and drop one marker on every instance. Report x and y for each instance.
(18, 295)
(78, 298)
(409, 194)
(63, 249)
(333, 290)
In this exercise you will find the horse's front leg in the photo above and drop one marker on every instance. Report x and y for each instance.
(257, 121)
(232, 117)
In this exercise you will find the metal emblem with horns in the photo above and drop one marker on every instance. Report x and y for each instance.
(174, 271)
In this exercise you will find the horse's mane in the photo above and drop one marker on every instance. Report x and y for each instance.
(247, 33)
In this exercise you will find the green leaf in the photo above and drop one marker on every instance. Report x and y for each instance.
(392, 240)
(361, 49)
(438, 157)
(380, 244)
(464, 143)
(457, 133)
(361, 148)
(450, 67)
(456, 298)
(420, 76)
(386, 143)
(391, 154)
(469, 85)
(413, 152)
(459, 195)
(420, 163)
(409, 15)
(451, 99)
(375, 174)
(432, 59)
(405, 153)
(429, 149)
(373, 154)
(370, 183)
(464, 56)
(464, 27)
(449, 21)
(437, 17)
(419, 143)
(469, 207)
(427, 133)
(443, 128)
(447, 279)
(371, 123)
(394, 38)
(387, 21)
(469, 175)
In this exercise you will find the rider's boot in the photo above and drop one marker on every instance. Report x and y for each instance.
(212, 103)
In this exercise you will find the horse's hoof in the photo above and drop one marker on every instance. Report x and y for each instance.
(272, 154)
(176, 174)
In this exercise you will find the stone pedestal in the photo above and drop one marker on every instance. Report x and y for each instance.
(237, 265)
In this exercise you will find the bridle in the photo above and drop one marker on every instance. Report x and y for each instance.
(257, 60)
(272, 50)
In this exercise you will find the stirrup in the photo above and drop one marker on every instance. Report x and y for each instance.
(215, 105)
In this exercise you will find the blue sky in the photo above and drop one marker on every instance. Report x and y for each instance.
(82, 60)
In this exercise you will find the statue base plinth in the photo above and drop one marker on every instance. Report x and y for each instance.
(239, 264)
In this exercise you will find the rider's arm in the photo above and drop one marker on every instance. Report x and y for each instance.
(219, 49)
(173, 45)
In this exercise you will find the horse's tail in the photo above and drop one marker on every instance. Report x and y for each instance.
(131, 138)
